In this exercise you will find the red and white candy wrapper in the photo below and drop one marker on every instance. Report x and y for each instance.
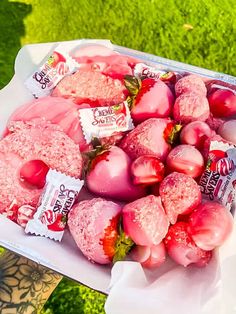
(58, 65)
(142, 71)
(218, 182)
(102, 122)
(59, 195)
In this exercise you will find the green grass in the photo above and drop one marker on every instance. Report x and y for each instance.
(155, 26)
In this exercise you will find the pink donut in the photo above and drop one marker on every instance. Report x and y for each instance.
(29, 141)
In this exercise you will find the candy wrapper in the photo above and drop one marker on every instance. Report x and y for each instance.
(218, 182)
(58, 65)
(142, 70)
(59, 195)
(105, 121)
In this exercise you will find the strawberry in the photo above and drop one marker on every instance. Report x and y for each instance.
(59, 224)
(149, 138)
(119, 109)
(180, 194)
(190, 83)
(228, 131)
(34, 173)
(109, 175)
(223, 103)
(151, 99)
(147, 170)
(149, 257)
(185, 159)
(191, 106)
(195, 133)
(145, 221)
(56, 58)
(182, 249)
(95, 227)
(210, 224)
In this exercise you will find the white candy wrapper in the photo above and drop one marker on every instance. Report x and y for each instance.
(102, 122)
(218, 182)
(51, 72)
(143, 70)
(59, 195)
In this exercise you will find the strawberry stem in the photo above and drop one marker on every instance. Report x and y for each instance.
(88, 157)
(123, 245)
(172, 133)
(133, 84)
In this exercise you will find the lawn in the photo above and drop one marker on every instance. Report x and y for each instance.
(198, 32)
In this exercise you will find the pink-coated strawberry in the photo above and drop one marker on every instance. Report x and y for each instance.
(195, 133)
(190, 83)
(148, 138)
(190, 107)
(182, 249)
(210, 224)
(223, 103)
(149, 257)
(152, 99)
(109, 176)
(34, 172)
(185, 159)
(180, 194)
(147, 170)
(94, 225)
(228, 131)
(214, 122)
(145, 220)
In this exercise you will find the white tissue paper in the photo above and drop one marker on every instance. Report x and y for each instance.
(174, 289)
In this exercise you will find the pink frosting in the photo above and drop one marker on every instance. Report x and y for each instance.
(87, 221)
(190, 107)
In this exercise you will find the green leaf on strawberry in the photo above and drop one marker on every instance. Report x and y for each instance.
(172, 133)
(91, 158)
(123, 245)
(133, 84)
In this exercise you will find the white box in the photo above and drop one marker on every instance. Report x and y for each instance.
(64, 257)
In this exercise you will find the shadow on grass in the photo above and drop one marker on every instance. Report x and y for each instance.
(12, 28)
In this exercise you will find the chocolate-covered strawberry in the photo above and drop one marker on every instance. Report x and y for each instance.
(190, 83)
(108, 175)
(147, 170)
(149, 257)
(185, 159)
(151, 137)
(94, 225)
(223, 103)
(182, 249)
(180, 195)
(145, 221)
(210, 225)
(150, 98)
